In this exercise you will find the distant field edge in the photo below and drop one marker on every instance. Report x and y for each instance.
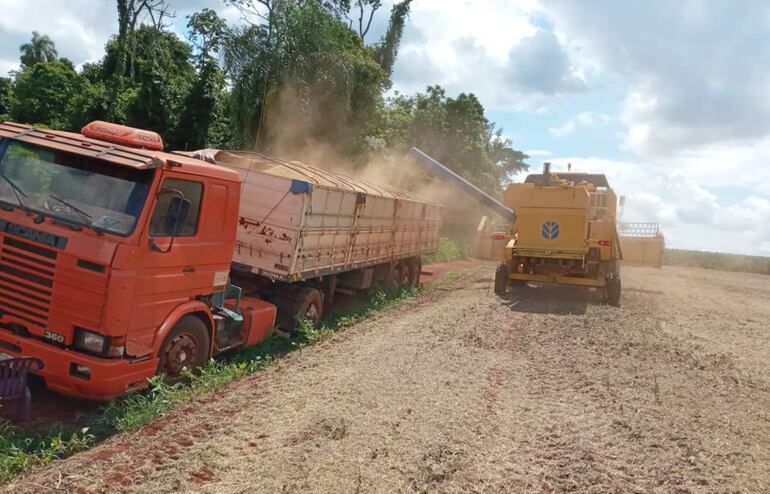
(717, 260)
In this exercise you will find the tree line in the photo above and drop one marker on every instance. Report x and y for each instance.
(294, 74)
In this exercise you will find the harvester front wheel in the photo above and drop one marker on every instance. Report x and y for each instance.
(501, 279)
(613, 289)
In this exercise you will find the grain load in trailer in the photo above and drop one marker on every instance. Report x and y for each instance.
(299, 222)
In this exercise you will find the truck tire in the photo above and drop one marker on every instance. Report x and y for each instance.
(613, 290)
(416, 265)
(187, 345)
(405, 276)
(308, 305)
(501, 279)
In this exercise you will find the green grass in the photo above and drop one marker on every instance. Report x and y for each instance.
(448, 250)
(717, 260)
(21, 451)
(647, 345)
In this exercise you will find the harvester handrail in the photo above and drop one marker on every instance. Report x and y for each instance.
(650, 230)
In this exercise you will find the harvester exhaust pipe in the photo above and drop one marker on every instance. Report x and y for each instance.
(478, 194)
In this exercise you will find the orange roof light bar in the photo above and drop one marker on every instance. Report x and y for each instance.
(122, 135)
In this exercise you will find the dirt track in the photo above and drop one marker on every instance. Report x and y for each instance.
(461, 391)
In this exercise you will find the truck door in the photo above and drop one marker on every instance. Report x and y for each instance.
(177, 268)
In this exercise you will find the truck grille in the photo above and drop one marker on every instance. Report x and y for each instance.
(26, 280)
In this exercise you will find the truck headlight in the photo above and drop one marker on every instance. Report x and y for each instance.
(90, 342)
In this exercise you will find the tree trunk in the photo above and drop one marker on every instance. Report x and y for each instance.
(125, 7)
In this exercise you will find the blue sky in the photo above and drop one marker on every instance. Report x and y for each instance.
(669, 99)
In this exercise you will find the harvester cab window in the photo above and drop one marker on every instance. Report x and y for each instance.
(191, 191)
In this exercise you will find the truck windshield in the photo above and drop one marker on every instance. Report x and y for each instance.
(78, 189)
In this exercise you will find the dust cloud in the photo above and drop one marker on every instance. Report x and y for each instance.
(314, 133)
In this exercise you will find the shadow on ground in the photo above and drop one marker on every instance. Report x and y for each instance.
(550, 299)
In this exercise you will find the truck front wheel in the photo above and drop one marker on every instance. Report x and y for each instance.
(186, 346)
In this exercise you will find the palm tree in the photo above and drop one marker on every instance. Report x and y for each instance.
(40, 49)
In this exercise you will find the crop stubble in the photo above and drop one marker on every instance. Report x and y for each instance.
(458, 390)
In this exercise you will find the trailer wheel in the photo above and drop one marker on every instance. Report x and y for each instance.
(186, 346)
(309, 305)
(405, 276)
(416, 270)
(613, 290)
(501, 279)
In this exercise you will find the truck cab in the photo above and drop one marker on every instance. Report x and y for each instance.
(115, 258)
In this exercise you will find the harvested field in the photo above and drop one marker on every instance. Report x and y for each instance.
(461, 391)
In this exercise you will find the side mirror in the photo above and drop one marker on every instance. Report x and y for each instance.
(176, 215)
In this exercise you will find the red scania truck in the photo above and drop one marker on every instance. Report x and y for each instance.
(119, 261)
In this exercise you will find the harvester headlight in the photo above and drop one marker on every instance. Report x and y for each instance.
(91, 342)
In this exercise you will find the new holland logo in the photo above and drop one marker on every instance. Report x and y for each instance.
(550, 230)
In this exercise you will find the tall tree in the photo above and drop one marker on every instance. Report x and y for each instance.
(386, 50)
(40, 49)
(257, 12)
(206, 32)
(202, 108)
(6, 97)
(44, 92)
(301, 74)
(455, 131)
(163, 79)
(366, 11)
(129, 12)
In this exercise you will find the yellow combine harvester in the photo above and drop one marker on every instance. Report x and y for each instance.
(560, 228)
(565, 232)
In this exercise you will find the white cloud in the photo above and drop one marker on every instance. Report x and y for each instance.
(538, 64)
(589, 118)
(495, 25)
(688, 205)
(564, 130)
(534, 153)
(751, 214)
(79, 28)
(694, 204)
(489, 47)
(7, 66)
(694, 108)
(646, 207)
(583, 119)
(696, 71)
